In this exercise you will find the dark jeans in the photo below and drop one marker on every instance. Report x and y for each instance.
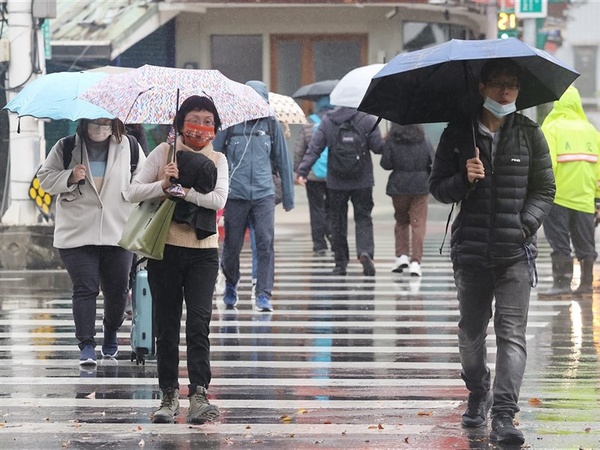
(318, 207)
(476, 289)
(190, 274)
(238, 213)
(563, 225)
(91, 268)
(362, 202)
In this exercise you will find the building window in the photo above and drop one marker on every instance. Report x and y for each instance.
(238, 57)
(297, 60)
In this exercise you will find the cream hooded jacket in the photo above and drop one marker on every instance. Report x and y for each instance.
(83, 215)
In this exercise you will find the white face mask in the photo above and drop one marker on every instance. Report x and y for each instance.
(99, 133)
(499, 110)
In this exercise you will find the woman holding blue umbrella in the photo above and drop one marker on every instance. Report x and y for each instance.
(91, 211)
(506, 188)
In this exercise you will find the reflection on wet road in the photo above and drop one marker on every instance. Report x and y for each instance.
(343, 362)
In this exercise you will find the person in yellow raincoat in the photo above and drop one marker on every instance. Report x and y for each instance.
(575, 150)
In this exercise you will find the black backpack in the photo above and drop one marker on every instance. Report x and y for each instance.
(348, 154)
(69, 144)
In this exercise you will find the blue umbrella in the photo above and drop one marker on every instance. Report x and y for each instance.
(55, 96)
(439, 83)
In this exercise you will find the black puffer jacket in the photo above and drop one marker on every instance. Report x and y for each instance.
(502, 212)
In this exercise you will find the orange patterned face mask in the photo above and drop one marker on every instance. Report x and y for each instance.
(197, 135)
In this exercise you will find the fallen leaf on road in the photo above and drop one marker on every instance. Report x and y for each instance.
(142, 443)
(534, 401)
(424, 413)
(286, 418)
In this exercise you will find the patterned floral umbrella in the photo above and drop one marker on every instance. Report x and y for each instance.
(286, 109)
(149, 95)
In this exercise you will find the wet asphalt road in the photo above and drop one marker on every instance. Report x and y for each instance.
(343, 362)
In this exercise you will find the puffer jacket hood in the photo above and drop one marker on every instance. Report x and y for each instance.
(259, 87)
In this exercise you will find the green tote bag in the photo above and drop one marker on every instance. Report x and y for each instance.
(147, 227)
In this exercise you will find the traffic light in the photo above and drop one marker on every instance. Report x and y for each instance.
(507, 24)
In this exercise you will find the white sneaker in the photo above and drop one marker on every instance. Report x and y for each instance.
(220, 283)
(400, 264)
(415, 269)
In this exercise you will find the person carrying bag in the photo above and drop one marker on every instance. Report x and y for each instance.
(188, 270)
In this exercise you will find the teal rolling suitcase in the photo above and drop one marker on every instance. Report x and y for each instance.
(142, 325)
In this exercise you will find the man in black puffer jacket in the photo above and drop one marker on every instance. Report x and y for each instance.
(505, 188)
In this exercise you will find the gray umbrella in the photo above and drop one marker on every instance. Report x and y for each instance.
(315, 90)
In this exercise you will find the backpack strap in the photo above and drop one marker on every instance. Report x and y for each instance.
(68, 143)
(134, 150)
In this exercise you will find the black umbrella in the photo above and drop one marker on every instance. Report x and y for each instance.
(439, 83)
(315, 91)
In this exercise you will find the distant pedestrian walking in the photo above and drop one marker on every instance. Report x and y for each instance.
(256, 151)
(575, 150)
(316, 180)
(345, 132)
(409, 155)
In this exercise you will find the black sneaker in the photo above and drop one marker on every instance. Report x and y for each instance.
(367, 263)
(477, 410)
(504, 431)
(338, 270)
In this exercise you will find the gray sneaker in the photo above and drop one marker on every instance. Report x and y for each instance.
(169, 407)
(201, 411)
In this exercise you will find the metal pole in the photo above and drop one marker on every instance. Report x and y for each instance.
(530, 38)
(26, 60)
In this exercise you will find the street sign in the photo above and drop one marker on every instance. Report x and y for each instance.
(531, 9)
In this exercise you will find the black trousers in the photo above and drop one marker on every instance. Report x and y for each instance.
(190, 274)
(362, 202)
(318, 207)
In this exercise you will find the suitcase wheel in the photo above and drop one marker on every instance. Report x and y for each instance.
(139, 358)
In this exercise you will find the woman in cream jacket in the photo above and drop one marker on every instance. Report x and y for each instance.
(189, 268)
(91, 211)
